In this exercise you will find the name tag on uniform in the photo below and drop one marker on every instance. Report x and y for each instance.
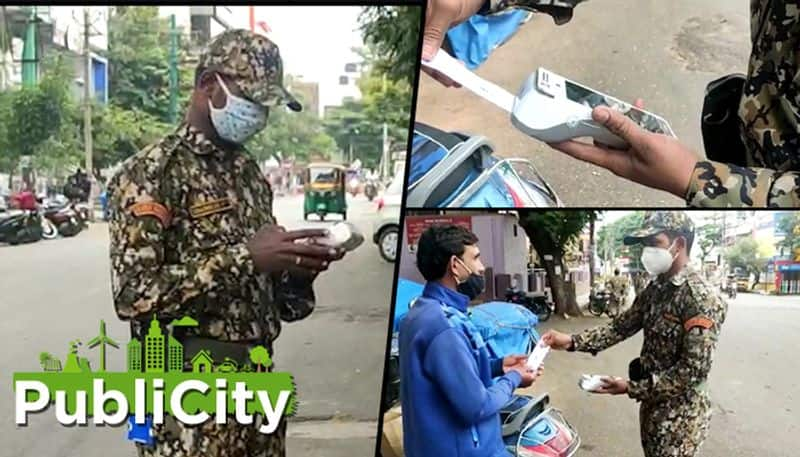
(210, 207)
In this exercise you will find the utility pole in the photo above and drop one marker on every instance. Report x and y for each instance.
(87, 108)
(4, 46)
(173, 70)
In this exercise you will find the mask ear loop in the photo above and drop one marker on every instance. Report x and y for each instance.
(465, 266)
(227, 94)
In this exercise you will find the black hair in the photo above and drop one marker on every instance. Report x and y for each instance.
(616, 271)
(673, 235)
(437, 244)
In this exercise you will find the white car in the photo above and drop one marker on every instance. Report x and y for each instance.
(386, 230)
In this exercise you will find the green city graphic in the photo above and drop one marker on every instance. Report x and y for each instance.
(156, 366)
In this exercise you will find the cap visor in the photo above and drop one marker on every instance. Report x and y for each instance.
(631, 240)
(295, 106)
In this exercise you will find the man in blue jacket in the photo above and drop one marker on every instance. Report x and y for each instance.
(450, 402)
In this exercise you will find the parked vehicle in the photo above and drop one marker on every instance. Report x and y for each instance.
(599, 300)
(68, 220)
(457, 170)
(386, 229)
(19, 226)
(536, 302)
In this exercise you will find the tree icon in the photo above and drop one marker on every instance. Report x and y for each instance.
(260, 357)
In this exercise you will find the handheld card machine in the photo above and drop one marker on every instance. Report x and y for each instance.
(550, 107)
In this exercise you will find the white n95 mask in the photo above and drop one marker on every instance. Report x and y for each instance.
(657, 260)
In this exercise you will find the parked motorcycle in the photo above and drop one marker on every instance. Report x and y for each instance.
(67, 219)
(599, 301)
(20, 226)
(536, 302)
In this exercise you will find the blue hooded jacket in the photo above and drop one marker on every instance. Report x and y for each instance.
(450, 402)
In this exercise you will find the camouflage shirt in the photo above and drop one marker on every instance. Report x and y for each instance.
(181, 213)
(770, 120)
(681, 318)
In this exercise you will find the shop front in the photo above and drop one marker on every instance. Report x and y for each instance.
(787, 277)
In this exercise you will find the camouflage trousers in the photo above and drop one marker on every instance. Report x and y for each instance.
(174, 439)
(676, 427)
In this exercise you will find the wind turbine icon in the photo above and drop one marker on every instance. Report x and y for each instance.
(103, 340)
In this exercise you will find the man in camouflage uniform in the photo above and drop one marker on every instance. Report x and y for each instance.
(769, 113)
(681, 317)
(617, 287)
(192, 233)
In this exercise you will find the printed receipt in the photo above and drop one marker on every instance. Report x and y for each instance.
(453, 69)
(537, 356)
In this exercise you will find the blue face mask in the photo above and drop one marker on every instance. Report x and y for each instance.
(239, 119)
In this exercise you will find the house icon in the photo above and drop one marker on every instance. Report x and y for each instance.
(202, 362)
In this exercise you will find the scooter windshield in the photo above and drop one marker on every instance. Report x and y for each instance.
(502, 186)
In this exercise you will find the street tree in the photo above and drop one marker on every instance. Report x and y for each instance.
(788, 223)
(708, 236)
(610, 239)
(394, 33)
(32, 115)
(744, 254)
(550, 232)
(138, 60)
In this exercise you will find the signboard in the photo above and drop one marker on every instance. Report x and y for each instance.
(415, 225)
(789, 267)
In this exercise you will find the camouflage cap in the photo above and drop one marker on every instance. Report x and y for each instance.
(254, 62)
(656, 222)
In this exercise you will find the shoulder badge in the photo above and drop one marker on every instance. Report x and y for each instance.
(154, 209)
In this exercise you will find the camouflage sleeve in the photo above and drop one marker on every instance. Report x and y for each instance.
(560, 10)
(702, 324)
(718, 185)
(142, 280)
(603, 337)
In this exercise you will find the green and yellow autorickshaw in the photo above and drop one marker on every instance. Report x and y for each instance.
(324, 190)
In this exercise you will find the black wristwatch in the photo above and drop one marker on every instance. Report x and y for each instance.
(571, 347)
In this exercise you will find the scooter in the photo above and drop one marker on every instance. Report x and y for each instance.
(370, 190)
(732, 289)
(536, 302)
(20, 226)
(66, 219)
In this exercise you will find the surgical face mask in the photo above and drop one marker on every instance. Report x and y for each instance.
(473, 285)
(657, 260)
(239, 119)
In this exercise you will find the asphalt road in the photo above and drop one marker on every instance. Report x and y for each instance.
(663, 52)
(55, 291)
(753, 384)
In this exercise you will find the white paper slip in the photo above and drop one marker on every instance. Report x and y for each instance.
(537, 356)
(453, 69)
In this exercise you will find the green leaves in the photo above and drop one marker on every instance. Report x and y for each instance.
(393, 33)
(610, 237)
